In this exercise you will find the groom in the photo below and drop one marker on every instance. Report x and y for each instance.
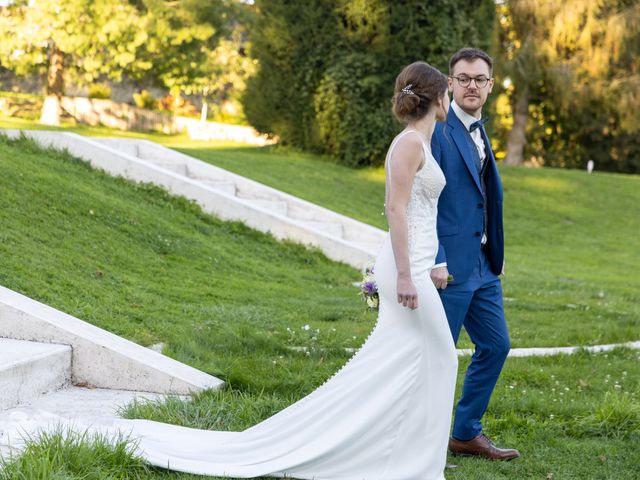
(471, 247)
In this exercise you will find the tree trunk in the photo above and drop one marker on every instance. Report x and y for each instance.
(50, 114)
(517, 136)
(203, 113)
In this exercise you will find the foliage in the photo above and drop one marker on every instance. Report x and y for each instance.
(231, 65)
(65, 455)
(327, 67)
(179, 35)
(156, 41)
(177, 104)
(145, 99)
(71, 42)
(99, 90)
(84, 31)
(20, 105)
(352, 124)
(579, 62)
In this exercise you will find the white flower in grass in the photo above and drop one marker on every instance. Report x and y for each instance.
(306, 327)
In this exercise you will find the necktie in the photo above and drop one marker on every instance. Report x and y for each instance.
(478, 124)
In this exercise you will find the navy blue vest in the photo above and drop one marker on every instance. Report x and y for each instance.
(482, 172)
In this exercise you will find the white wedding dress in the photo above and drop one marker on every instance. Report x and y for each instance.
(385, 415)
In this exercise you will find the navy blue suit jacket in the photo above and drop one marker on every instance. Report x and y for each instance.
(460, 207)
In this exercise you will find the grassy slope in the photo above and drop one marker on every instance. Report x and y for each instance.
(155, 268)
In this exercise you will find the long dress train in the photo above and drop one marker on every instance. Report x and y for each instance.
(385, 415)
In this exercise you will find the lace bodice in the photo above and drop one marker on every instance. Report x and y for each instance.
(422, 208)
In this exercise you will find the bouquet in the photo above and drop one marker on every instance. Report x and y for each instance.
(369, 289)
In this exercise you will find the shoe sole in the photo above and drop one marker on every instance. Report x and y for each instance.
(483, 457)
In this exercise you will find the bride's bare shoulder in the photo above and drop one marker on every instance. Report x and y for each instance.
(407, 149)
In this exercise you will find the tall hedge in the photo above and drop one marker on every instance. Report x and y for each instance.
(327, 67)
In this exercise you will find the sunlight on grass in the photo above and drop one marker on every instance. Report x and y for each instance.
(549, 184)
(373, 174)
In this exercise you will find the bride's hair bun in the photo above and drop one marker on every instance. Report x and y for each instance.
(418, 86)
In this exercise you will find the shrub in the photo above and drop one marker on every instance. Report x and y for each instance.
(144, 99)
(99, 90)
(327, 67)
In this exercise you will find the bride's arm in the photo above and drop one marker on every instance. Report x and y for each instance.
(403, 165)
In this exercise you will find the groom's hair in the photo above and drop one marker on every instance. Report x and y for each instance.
(470, 54)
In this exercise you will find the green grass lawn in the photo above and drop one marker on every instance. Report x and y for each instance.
(230, 301)
(572, 267)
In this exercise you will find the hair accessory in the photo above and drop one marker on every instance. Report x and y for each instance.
(407, 90)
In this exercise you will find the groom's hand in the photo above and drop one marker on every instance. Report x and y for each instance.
(439, 276)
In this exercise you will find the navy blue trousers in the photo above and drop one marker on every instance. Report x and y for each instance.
(477, 304)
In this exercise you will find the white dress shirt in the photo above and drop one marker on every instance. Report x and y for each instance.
(476, 136)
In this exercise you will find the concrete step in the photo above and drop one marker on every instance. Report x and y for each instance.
(331, 228)
(178, 168)
(226, 187)
(276, 206)
(73, 408)
(371, 247)
(30, 369)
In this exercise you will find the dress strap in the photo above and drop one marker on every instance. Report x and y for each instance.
(395, 141)
(387, 161)
(393, 146)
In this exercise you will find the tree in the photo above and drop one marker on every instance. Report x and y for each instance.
(77, 40)
(180, 39)
(327, 67)
(523, 24)
(224, 62)
(575, 79)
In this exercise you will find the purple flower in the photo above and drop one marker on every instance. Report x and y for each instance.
(369, 288)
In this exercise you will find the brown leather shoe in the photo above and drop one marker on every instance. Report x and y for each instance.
(481, 446)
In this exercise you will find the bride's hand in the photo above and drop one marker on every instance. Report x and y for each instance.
(407, 293)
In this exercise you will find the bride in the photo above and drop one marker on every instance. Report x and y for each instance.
(386, 414)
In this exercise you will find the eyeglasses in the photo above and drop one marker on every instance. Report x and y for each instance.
(465, 81)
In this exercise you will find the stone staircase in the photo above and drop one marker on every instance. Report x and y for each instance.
(36, 391)
(56, 369)
(225, 194)
(31, 369)
(345, 239)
